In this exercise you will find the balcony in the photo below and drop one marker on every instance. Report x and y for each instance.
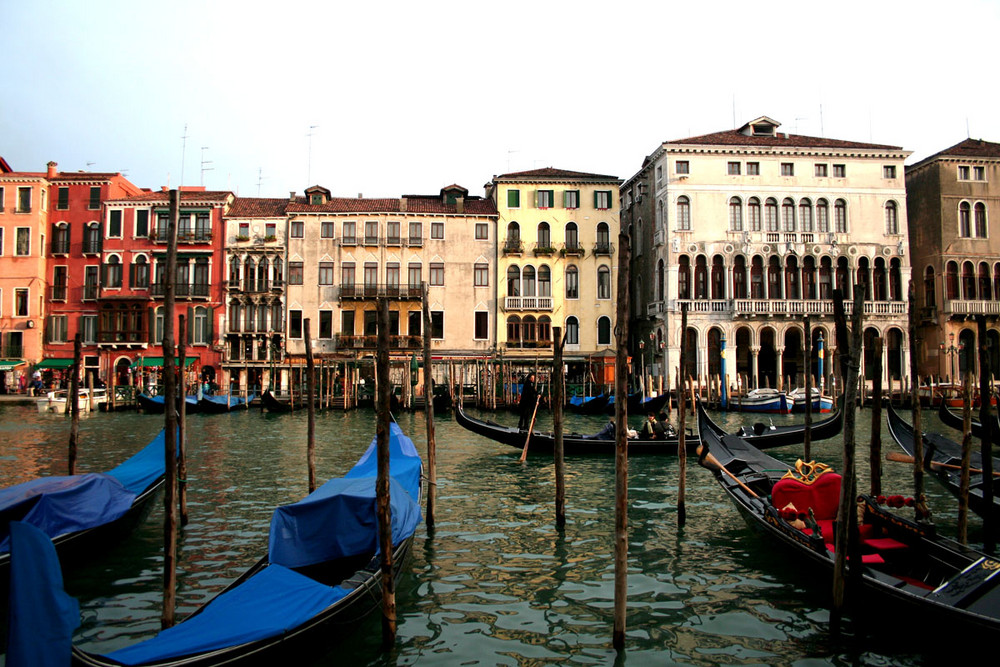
(654, 308)
(543, 250)
(121, 337)
(802, 307)
(60, 246)
(415, 241)
(968, 307)
(349, 342)
(705, 305)
(572, 249)
(528, 344)
(393, 241)
(543, 303)
(351, 240)
(57, 292)
(182, 290)
(185, 236)
(366, 292)
(371, 239)
(92, 246)
(90, 292)
(601, 248)
(513, 247)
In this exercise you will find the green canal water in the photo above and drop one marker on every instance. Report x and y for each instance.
(495, 583)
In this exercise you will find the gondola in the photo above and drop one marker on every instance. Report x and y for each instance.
(589, 405)
(766, 436)
(955, 421)
(944, 458)
(153, 405)
(272, 404)
(763, 399)
(322, 574)
(220, 404)
(639, 406)
(910, 578)
(573, 443)
(83, 513)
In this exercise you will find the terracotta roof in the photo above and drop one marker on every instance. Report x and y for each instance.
(414, 204)
(970, 148)
(779, 139)
(551, 173)
(256, 207)
(162, 197)
(84, 176)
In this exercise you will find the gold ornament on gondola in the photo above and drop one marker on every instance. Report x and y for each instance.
(807, 473)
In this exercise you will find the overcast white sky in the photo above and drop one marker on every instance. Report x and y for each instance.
(408, 97)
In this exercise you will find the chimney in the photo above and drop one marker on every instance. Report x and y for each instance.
(291, 195)
(402, 205)
(51, 173)
(360, 196)
(459, 204)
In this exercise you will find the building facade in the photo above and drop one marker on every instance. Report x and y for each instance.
(557, 234)
(951, 197)
(759, 228)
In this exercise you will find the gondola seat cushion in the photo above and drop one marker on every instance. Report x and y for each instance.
(822, 496)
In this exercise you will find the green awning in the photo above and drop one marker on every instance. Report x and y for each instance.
(10, 364)
(52, 364)
(148, 362)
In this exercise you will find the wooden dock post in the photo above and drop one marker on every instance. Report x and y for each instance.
(918, 433)
(621, 446)
(964, 475)
(170, 419)
(558, 399)
(73, 405)
(807, 377)
(429, 412)
(310, 407)
(382, 481)
(682, 429)
(986, 419)
(182, 423)
(875, 455)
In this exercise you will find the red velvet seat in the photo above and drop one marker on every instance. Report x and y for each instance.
(823, 496)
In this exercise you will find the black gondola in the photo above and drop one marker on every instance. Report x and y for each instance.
(321, 576)
(223, 404)
(955, 421)
(766, 436)
(589, 405)
(573, 443)
(944, 458)
(272, 404)
(910, 577)
(153, 405)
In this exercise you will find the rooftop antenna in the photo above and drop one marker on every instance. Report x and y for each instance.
(797, 119)
(183, 151)
(309, 166)
(260, 177)
(822, 132)
(203, 163)
(968, 132)
(509, 152)
(90, 164)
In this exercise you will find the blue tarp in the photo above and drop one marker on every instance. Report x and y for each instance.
(339, 518)
(42, 615)
(227, 402)
(158, 400)
(271, 602)
(67, 504)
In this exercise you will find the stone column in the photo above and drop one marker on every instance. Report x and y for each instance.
(754, 351)
(779, 352)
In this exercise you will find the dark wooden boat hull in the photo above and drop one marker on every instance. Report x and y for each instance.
(885, 602)
(955, 421)
(594, 406)
(765, 437)
(573, 444)
(942, 450)
(156, 408)
(272, 404)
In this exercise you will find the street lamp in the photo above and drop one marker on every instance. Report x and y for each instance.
(642, 368)
(952, 351)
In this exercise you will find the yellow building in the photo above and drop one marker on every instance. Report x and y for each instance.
(557, 261)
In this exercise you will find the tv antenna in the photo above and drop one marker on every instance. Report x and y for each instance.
(310, 162)
(183, 151)
(203, 163)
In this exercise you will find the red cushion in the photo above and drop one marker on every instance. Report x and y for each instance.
(823, 496)
(867, 559)
(884, 543)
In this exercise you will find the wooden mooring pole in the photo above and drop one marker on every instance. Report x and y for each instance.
(558, 398)
(310, 407)
(182, 423)
(986, 419)
(964, 475)
(170, 419)
(682, 426)
(621, 446)
(382, 481)
(429, 412)
(73, 405)
(806, 358)
(918, 433)
(875, 454)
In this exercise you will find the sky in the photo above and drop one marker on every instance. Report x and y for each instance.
(391, 98)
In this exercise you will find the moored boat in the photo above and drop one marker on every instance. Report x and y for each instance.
(797, 401)
(955, 421)
(766, 436)
(762, 400)
(56, 402)
(153, 405)
(218, 404)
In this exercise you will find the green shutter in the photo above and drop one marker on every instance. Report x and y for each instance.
(151, 330)
(513, 198)
(190, 325)
(209, 337)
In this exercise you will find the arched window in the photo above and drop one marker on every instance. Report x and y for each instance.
(234, 271)
(544, 281)
(572, 331)
(603, 237)
(774, 278)
(718, 278)
(513, 280)
(822, 216)
(514, 331)
(788, 215)
(891, 218)
(878, 280)
(809, 277)
(805, 216)
(234, 317)
(263, 269)
(545, 330)
(659, 280)
(528, 280)
(996, 285)
(895, 280)
(753, 213)
(840, 216)
(740, 277)
(572, 282)
(683, 213)
(700, 278)
(968, 282)
(735, 214)
(965, 220)
(771, 215)
(951, 280)
(113, 272)
(603, 283)
(544, 235)
(792, 277)
(278, 271)
(604, 330)
(513, 231)
(249, 275)
(825, 278)
(985, 289)
(929, 287)
(864, 277)
(529, 335)
(572, 237)
(757, 278)
(683, 277)
(843, 284)
(139, 270)
(980, 220)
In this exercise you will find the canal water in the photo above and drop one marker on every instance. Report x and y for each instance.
(496, 583)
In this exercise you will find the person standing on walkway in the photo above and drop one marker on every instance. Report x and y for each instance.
(529, 399)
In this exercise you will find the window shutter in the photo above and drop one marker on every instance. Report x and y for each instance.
(104, 274)
(190, 325)
(131, 275)
(151, 329)
(210, 320)
(595, 199)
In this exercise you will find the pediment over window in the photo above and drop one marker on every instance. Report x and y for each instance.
(317, 195)
(760, 127)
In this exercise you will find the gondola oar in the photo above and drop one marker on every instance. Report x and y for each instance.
(531, 427)
(706, 456)
(905, 458)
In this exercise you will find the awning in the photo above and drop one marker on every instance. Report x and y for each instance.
(148, 362)
(10, 364)
(52, 364)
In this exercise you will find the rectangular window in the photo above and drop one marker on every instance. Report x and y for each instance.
(371, 232)
(22, 242)
(414, 275)
(371, 274)
(295, 324)
(392, 274)
(787, 169)
(963, 173)
(326, 324)
(1, 237)
(325, 273)
(88, 329)
(21, 302)
(437, 324)
(753, 168)
(415, 321)
(978, 173)
(682, 167)
(437, 274)
(142, 223)
(270, 231)
(115, 224)
(58, 328)
(347, 322)
(513, 199)
(571, 199)
(348, 234)
(482, 325)
(95, 198)
(821, 171)
(482, 231)
(602, 200)
(295, 273)
(392, 232)
(437, 230)
(62, 202)
(24, 200)
(347, 274)
(840, 171)
(416, 234)
(298, 229)
(481, 275)
(733, 169)
(889, 171)
(544, 198)
(59, 279)
(243, 231)
(326, 229)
